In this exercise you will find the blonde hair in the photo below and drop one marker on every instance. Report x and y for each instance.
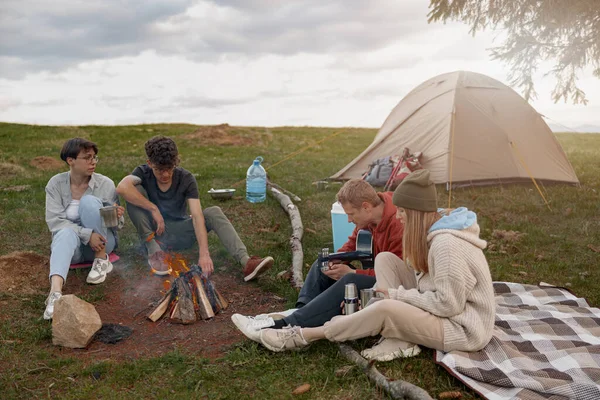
(356, 191)
(414, 241)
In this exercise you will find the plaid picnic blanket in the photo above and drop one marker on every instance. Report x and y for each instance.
(545, 345)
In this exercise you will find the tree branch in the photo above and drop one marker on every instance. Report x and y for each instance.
(396, 388)
(297, 233)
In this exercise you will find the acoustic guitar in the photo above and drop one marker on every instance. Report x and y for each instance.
(363, 252)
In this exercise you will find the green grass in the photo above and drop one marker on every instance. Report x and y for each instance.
(554, 249)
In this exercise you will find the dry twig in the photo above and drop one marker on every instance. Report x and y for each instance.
(396, 388)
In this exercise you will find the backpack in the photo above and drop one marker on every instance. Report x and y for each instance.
(408, 163)
(379, 171)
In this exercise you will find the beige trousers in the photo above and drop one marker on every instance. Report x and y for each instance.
(390, 318)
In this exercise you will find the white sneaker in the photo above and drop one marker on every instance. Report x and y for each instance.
(288, 338)
(251, 326)
(100, 268)
(277, 315)
(388, 349)
(52, 297)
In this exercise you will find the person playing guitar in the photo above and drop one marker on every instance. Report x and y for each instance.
(323, 290)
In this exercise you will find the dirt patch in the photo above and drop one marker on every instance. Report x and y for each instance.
(10, 170)
(24, 272)
(128, 296)
(18, 188)
(223, 135)
(129, 305)
(46, 163)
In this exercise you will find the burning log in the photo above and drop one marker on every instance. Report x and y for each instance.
(192, 296)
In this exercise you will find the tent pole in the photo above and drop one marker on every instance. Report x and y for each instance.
(451, 155)
(514, 146)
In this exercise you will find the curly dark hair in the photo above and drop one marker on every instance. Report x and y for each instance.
(162, 152)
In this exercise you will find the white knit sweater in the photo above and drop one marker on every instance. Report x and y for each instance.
(457, 288)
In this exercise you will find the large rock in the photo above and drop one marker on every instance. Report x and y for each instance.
(74, 322)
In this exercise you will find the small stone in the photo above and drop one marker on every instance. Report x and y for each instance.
(302, 389)
(74, 322)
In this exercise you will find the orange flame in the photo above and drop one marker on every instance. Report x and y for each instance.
(177, 266)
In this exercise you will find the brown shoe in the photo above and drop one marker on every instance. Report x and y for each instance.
(256, 266)
(157, 263)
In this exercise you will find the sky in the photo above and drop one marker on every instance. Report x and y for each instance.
(242, 62)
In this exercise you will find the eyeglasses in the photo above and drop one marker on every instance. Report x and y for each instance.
(89, 159)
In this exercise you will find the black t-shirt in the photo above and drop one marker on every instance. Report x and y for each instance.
(172, 203)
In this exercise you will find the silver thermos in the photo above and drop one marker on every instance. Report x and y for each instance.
(350, 299)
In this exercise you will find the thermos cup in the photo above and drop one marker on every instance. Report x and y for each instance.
(350, 299)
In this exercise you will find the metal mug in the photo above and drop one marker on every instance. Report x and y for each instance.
(365, 296)
(324, 259)
(109, 216)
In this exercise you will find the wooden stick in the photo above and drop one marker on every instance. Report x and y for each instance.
(175, 315)
(398, 389)
(222, 300)
(206, 310)
(296, 238)
(187, 314)
(292, 195)
(162, 307)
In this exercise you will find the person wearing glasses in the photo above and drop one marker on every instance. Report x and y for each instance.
(164, 206)
(73, 201)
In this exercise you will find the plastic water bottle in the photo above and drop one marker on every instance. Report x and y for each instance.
(256, 182)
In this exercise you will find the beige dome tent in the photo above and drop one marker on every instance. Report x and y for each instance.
(472, 130)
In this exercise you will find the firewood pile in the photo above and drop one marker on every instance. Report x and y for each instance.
(191, 297)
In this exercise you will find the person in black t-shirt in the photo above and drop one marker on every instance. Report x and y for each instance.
(158, 197)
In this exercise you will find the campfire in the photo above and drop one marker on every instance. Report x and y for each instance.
(191, 296)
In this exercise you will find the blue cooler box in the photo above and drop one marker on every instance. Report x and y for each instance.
(340, 226)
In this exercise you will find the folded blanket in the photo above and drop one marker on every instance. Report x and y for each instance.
(545, 345)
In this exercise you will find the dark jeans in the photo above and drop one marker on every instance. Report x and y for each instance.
(327, 304)
(315, 283)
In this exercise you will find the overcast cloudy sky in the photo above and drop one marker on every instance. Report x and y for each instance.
(242, 62)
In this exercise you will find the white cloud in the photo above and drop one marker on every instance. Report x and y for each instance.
(339, 63)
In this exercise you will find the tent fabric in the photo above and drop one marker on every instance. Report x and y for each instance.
(472, 130)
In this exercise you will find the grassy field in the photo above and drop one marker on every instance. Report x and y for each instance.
(557, 247)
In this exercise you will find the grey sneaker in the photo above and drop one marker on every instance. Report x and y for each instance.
(288, 338)
(251, 326)
(52, 297)
(100, 268)
(388, 349)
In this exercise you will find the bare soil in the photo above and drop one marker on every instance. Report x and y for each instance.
(24, 272)
(46, 163)
(128, 297)
(219, 135)
(10, 170)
